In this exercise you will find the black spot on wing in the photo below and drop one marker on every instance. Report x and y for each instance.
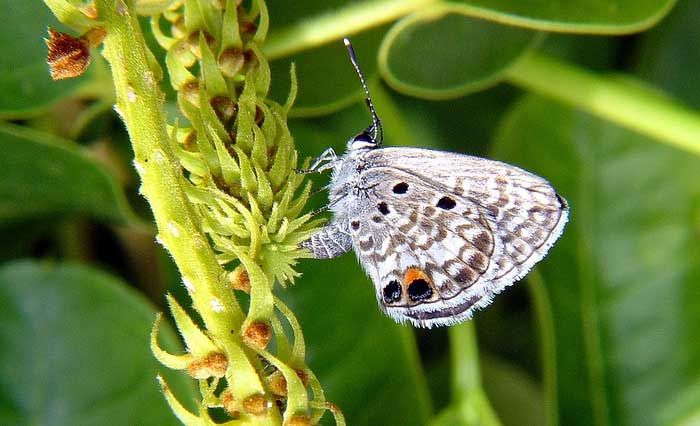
(446, 203)
(419, 289)
(400, 188)
(392, 292)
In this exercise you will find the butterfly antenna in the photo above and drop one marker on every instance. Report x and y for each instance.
(376, 128)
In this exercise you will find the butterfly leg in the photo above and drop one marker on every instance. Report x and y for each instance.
(331, 241)
(322, 163)
(319, 190)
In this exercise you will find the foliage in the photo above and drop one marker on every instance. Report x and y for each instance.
(604, 332)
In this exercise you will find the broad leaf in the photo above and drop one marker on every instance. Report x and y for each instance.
(75, 350)
(623, 279)
(42, 176)
(443, 53)
(669, 53)
(584, 16)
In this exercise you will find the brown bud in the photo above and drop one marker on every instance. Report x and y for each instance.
(256, 404)
(248, 27)
(212, 365)
(190, 141)
(258, 334)
(231, 62)
(224, 107)
(229, 403)
(68, 56)
(190, 90)
(193, 41)
(259, 116)
(277, 383)
(303, 376)
(240, 280)
(298, 420)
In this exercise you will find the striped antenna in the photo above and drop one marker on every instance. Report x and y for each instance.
(376, 127)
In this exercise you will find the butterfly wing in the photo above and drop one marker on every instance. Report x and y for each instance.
(441, 233)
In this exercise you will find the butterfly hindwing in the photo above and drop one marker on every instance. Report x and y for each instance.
(438, 247)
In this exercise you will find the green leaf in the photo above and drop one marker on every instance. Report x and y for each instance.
(581, 16)
(623, 279)
(669, 54)
(685, 410)
(75, 350)
(443, 53)
(311, 24)
(25, 83)
(18, 238)
(593, 53)
(327, 81)
(41, 176)
(514, 395)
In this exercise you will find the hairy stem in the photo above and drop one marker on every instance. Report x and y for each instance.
(140, 103)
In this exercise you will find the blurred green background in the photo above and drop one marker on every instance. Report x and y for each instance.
(606, 331)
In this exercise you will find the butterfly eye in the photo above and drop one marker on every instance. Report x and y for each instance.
(363, 137)
(362, 141)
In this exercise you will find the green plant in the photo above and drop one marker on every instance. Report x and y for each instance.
(605, 334)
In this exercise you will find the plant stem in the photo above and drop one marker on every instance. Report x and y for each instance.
(140, 103)
(465, 360)
(547, 340)
(466, 376)
(622, 101)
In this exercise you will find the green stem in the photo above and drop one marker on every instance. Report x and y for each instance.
(623, 102)
(465, 360)
(467, 391)
(140, 103)
(548, 352)
(348, 20)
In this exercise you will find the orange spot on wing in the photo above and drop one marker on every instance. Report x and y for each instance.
(414, 273)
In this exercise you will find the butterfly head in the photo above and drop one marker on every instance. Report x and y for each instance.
(363, 141)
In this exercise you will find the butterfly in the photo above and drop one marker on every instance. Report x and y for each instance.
(439, 233)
